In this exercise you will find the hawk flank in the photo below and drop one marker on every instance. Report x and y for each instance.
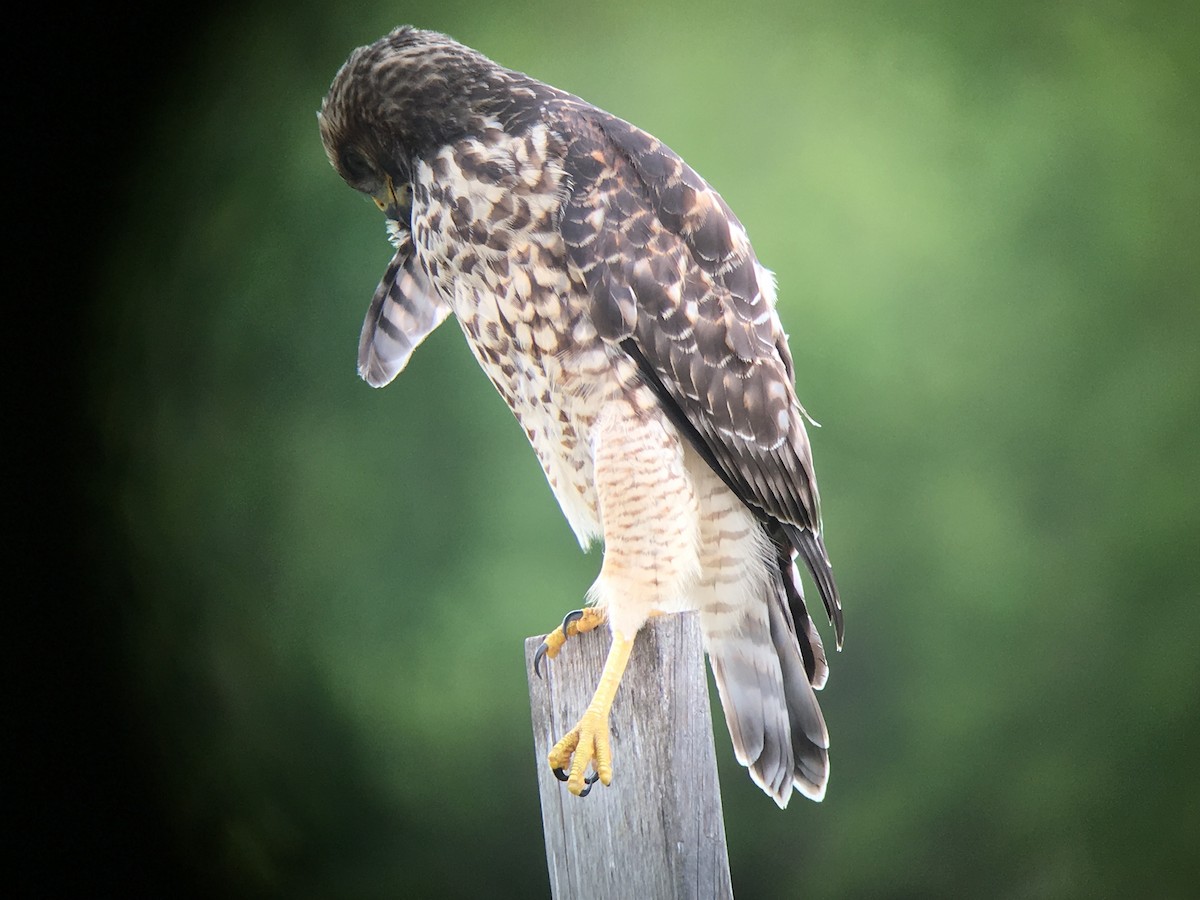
(615, 302)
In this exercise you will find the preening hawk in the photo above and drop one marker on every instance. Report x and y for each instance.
(616, 304)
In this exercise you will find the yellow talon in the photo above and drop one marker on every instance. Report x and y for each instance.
(588, 742)
(580, 621)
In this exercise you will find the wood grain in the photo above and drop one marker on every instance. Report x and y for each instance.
(657, 831)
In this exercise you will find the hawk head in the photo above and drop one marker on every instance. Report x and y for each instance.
(399, 99)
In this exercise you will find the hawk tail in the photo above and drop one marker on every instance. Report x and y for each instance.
(766, 674)
(804, 669)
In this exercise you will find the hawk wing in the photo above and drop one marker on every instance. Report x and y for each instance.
(404, 311)
(674, 282)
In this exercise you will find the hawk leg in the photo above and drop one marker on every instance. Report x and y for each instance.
(588, 742)
(579, 621)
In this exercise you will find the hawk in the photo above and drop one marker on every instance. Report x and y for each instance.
(614, 301)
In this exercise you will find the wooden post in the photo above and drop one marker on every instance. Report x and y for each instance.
(657, 830)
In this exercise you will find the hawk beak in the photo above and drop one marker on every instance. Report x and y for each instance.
(395, 204)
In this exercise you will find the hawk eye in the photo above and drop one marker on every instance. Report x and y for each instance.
(356, 166)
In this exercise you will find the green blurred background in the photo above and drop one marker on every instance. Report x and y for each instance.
(983, 218)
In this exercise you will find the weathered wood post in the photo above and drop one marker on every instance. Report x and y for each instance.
(657, 831)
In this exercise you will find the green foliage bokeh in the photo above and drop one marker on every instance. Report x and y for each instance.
(983, 219)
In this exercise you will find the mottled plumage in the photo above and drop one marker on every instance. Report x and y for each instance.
(615, 302)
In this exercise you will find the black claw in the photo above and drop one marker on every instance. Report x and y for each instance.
(561, 775)
(537, 659)
(573, 616)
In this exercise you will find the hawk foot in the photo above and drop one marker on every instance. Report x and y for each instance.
(588, 743)
(577, 621)
(585, 744)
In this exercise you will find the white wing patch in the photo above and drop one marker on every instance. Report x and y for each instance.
(404, 311)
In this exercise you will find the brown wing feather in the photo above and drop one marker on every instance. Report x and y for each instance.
(673, 280)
